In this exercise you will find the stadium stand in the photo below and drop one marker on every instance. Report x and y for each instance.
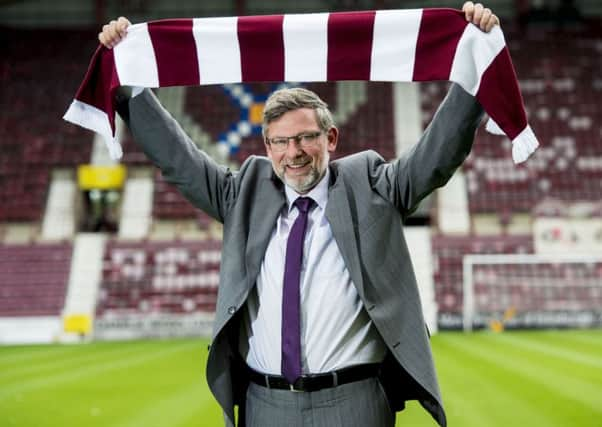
(33, 279)
(39, 82)
(560, 85)
(559, 77)
(538, 287)
(165, 277)
(171, 205)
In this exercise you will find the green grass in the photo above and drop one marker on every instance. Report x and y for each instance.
(544, 378)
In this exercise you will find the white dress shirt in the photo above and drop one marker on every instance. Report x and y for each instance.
(336, 330)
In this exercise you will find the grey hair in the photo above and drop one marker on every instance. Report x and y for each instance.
(285, 100)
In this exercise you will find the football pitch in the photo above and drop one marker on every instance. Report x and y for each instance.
(530, 378)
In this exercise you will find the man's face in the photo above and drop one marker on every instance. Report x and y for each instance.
(300, 166)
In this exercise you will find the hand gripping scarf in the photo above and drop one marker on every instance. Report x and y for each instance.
(387, 45)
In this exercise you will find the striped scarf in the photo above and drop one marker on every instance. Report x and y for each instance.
(387, 45)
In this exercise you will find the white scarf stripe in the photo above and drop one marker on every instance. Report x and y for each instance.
(305, 47)
(394, 44)
(473, 56)
(135, 59)
(217, 49)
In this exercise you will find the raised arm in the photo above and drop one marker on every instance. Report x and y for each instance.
(444, 145)
(206, 184)
(442, 148)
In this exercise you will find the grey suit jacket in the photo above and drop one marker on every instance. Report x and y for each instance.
(368, 201)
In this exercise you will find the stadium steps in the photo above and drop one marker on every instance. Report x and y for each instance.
(453, 216)
(350, 95)
(59, 215)
(419, 243)
(137, 204)
(407, 116)
(84, 280)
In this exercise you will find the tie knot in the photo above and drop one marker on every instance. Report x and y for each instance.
(304, 204)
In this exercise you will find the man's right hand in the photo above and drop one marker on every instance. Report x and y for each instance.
(113, 32)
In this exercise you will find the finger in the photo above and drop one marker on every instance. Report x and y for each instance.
(468, 10)
(122, 24)
(101, 39)
(493, 21)
(478, 13)
(485, 18)
(104, 38)
(112, 34)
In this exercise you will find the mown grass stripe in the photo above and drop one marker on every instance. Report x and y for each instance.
(477, 395)
(80, 355)
(82, 372)
(557, 350)
(210, 415)
(20, 355)
(574, 342)
(171, 410)
(593, 340)
(560, 383)
(577, 371)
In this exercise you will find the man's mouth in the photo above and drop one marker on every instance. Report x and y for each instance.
(298, 165)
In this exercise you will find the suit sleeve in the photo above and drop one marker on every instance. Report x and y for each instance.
(206, 184)
(443, 147)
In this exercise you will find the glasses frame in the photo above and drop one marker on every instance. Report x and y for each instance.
(304, 139)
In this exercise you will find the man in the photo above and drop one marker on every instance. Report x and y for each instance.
(318, 318)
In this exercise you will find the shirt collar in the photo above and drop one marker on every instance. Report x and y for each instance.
(319, 193)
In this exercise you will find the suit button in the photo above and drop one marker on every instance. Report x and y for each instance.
(231, 310)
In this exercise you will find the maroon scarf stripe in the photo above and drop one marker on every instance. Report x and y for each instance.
(438, 39)
(499, 95)
(350, 51)
(100, 83)
(175, 52)
(261, 48)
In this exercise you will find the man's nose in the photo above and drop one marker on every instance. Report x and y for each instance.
(293, 149)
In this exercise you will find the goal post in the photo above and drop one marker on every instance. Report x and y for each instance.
(532, 291)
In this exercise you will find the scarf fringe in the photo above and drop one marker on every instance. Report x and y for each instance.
(89, 117)
(493, 128)
(523, 145)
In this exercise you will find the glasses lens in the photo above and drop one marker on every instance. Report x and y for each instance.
(279, 144)
(309, 138)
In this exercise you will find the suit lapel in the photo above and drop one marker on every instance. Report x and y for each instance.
(344, 229)
(270, 200)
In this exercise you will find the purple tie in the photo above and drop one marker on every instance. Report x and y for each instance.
(291, 299)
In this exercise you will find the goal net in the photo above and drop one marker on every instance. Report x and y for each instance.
(532, 291)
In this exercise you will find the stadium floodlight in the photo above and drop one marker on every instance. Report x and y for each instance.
(532, 291)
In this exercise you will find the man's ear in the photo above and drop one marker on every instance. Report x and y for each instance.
(333, 138)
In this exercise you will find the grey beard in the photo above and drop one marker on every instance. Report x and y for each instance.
(306, 184)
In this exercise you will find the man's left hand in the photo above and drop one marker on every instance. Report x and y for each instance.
(479, 15)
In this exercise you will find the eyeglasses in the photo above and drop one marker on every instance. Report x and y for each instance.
(305, 139)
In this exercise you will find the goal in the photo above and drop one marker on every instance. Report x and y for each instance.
(532, 291)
